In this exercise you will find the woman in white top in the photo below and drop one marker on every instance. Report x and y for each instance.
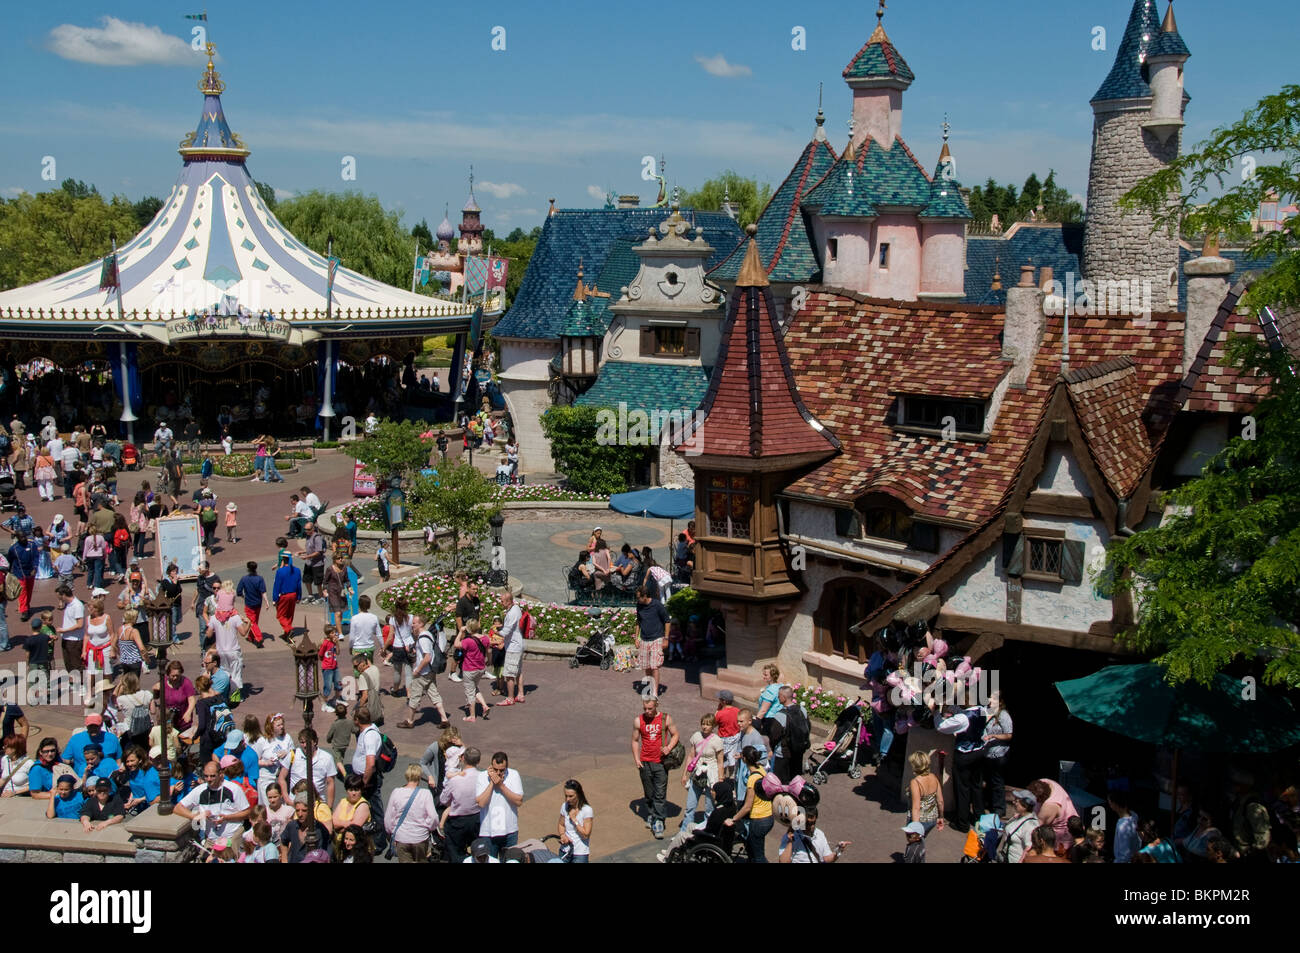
(576, 820)
(101, 635)
(403, 645)
(14, 766)
(274, 754)
(703, 769)
(128, 695)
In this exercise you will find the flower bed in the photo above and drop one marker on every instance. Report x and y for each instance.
(432, 595)
(368, 512)
(820, 702)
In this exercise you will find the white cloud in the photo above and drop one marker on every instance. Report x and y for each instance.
(596, 192)
(14, 190)
(118, 43)
(717, 65)
(501, 190)
(282, 194)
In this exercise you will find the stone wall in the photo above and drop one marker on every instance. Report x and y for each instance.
(27, 836)
(1117, 244)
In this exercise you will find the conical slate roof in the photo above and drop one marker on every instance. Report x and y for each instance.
(1127, 78)
(215, 244)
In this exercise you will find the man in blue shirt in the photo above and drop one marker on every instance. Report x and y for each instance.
(286, 590)
(94, 733)
(253, 588)
(235, 746)
(24, 556)
(66, 802)
(20, 523)
(220, 677)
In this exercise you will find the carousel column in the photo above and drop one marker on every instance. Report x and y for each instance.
(126, 369)
(456, 373)
(327, 358)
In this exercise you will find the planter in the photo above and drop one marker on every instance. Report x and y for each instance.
(410, 540)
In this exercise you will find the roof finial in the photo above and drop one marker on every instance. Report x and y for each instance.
(471, 180)
(752, 274)
(849, 153)
(945, 127)
(880, 13)
(997, 274)
(211, 84)
(1169, 26)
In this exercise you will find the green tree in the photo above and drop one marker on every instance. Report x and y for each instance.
(145, 210)
(421, 232)
(395, 446)
(367, 237)
(1058, 204)
(52, 232)
(748, 194)
(267, 193)
(589, 465)
(459, 499)
(1218, 584)
(1011, 206)
(1180, 195)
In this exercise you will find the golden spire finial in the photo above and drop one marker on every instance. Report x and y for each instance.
(880, 12)
(211, 84)
(1169, 26)
(580, 292)
(752, 274)
(997, 274)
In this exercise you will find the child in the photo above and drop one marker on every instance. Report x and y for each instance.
(452, 748)
(381, 559)
(675, 641)
(66, 564)
(329, 666)
(340, 732)
(282, 543)
(231, 521)
(914, 852)
(183, 779)
(38, 648)
(226, 600)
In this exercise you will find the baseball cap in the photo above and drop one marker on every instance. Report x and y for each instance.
(1023, 795)
(482, 847)
(103, 784)
(98, 591)
(155, 752)
(316, 857)
(234, 738)
(93, 719)
(227, 760)
(916, 827)
(726, 696)
(58, 518)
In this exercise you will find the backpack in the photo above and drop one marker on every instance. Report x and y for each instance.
(207, 515)
(121, 537)
(13, 587)
(386, 757)
(249, 789)
(527, 625)
(798, 733)
(140, 722)
(223, 722)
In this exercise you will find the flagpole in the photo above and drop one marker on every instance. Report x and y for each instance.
(326, 404)
(488, 274)
(128, 417)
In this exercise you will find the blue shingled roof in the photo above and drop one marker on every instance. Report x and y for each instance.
(875, 177)
(1235, 255)
(1169, 44)
(1059, 247)
(590, 235)
(648, 387)
(878, 59)
(1128, 76)
(587, 318)
(784, 245)
(945, 197)
(620, 267)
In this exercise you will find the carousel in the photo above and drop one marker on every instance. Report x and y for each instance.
(213, 312)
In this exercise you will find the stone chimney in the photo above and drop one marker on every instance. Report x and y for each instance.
(629, 201)
(1022, 334)
(1207, 284)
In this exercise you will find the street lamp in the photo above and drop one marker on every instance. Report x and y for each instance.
(158, 619)
(497, 576)
(306, 657)
(395, 511)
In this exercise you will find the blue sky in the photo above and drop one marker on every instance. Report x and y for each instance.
(581, 92)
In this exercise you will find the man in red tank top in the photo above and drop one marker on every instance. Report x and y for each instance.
(654, 733)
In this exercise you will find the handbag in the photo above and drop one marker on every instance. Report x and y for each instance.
(695, 761)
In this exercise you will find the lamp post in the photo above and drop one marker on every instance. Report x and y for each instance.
(306, 657)
(498, 575)
(158, 618)
(395, 511)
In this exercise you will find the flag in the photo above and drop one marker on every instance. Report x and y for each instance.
(108, 279)
(196, 16)
(476, 331)
(333, 270)
(424, 272)
(475, 275)
(497, 268)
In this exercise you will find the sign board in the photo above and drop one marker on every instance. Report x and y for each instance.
(363, 483)
(179, 541)
(242, 325)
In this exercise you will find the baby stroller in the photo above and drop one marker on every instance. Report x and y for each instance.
(599, 647)
(130, 457)
(8, 490)
(849, 739)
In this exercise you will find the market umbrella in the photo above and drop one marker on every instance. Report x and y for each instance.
(659, 502)
(1137, 702)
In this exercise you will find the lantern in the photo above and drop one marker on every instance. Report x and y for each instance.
(306, 658)
(395, 504)
(158, 617)
(497, 576)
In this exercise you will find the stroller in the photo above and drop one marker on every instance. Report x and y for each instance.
(599, 647)
(849, 739)
(8, 490)
(130, 457)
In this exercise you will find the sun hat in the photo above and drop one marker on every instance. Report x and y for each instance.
(231, 507)
(916, 827)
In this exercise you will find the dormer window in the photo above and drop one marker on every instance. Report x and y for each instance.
(884, 255)
(932, 412)
(832, 249)
(881, 517)
(675, 340)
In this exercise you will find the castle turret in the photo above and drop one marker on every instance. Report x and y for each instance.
(878, 75)
(1136, 132)
(471, 229)
(943, 233)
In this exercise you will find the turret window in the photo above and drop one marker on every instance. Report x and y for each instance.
(731, 505)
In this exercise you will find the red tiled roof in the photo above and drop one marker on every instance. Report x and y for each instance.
(848, 352)
(751, 407)
(1221, 388)
(1108, 401)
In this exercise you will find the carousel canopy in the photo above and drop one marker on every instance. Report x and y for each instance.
(215, 258)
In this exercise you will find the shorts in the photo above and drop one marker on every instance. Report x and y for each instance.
(81, 512)
(314, 575)
(514, 661)
(650, 654)
(173, 487)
